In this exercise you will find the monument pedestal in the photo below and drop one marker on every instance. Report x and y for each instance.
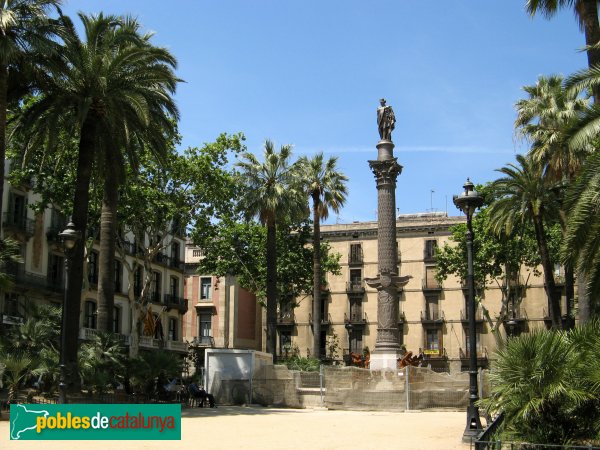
(384, 360)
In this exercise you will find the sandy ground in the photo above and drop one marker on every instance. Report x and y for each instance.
(230, 427)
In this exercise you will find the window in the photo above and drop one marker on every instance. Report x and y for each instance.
(355, 309)
(174, 286)
(56, 265)
(432, 307)
(17, 209)
(356, 255)
(118, 276)
(11, 304)
(205, 325)
(205, 288)
(89, 311)
(155, 287)
(175, 251)
(477, 343)
(285, 342)
(430, 247)
(356, 341)
(116, 320)
(430, 282)
(137, 280)
(433, 344)
(172, 329)
(158, 328)
(93, 268)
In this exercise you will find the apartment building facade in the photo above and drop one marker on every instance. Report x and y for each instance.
(432, 317)
(40, 277)
(222, 314)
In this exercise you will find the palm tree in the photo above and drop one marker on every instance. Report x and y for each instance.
(271, 192)
(146, 125)
(98, 90)
(524, 194)
(586, 12)
(545, 118)
(547, 385)
(24, 26)
(582, 241)
(327, 189)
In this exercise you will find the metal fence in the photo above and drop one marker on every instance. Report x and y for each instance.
(351, 388)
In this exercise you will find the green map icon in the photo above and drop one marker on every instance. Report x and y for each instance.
(23, 419)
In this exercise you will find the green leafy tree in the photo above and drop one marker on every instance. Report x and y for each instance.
(160, 199)
(239, 248)
(24, 29)
(524, 196)
(271, 192)
(326, 187)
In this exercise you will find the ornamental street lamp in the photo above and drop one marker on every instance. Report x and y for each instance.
(468, 201)
(69, 237)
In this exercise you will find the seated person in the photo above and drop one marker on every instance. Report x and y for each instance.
(199, 393)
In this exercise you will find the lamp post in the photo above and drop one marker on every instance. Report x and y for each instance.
(468, 201)
(69, 237)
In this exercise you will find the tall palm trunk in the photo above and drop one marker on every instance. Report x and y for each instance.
(79, 218)
(272, 287)
(589, 16)
(3, 107)
(106, 258)
(316, 277)
(549, 284)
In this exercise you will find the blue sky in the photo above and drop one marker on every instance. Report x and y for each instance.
(310, 73)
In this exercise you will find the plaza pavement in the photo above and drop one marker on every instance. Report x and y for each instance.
(233, 427)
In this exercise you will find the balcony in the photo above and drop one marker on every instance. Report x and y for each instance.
(174, 263)
(356, 287)
(355, 259)
(286, 319)
(203, 341)
(482, 357)
(432, 317)
(174, 302)
(9, 319)
(150, 342)
(325, 319)
(177, 346)
(87, 334)
(464, 316)
(357, 319)
(431, 284)
(19, 224)
(130, 248)
(30, 280)
(433, 353)
(153, 297)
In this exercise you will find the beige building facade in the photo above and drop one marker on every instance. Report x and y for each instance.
(432, 316)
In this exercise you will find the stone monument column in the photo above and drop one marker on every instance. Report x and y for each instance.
(386, 170)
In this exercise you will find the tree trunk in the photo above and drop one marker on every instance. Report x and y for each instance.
(570, 294)
(79, 218)
(316, 278)
(3, 106)
(549, 284)
(108, 234)
(588, 11)
(272, 288)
